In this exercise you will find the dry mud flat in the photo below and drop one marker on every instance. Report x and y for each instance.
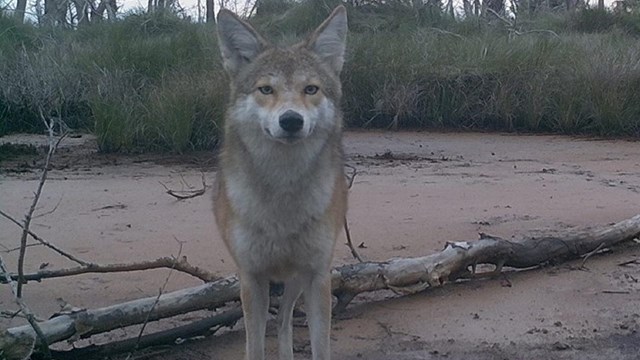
(413, 192)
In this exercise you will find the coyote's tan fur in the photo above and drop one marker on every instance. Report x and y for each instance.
(281, 195)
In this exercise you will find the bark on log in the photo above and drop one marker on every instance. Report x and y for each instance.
(184, 332)
(456, 261)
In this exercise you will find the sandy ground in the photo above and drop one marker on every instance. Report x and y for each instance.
(413, 192)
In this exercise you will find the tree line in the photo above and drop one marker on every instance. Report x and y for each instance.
(73, 13)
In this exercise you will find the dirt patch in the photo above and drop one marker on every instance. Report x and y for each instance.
(412, 193)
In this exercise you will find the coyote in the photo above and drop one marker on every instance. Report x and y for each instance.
(281, 193)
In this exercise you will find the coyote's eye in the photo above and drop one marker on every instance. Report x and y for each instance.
(311, 89)
(266, 90)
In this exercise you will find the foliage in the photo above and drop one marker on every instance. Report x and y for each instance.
(573, 84)
(598, 21)
(154, 82)
(146, 83)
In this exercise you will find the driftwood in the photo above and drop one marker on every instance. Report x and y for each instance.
(458, 260)
(177, 335)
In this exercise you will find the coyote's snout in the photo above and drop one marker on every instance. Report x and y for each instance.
(281, 192)
(289, 114)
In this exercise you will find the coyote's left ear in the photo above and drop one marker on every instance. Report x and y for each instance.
(329, 39)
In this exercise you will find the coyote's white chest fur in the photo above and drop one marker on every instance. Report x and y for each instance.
(281, 198)
(281, 194)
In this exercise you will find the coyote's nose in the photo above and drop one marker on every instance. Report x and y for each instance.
(291, 121)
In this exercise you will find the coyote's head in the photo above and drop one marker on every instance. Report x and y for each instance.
(284, 93)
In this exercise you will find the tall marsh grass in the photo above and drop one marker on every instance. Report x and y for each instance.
(575, 83)
(146, 83)
(155, 82)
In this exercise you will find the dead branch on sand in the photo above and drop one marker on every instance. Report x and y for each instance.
(179, 264)
(458, 260)
(187, 194)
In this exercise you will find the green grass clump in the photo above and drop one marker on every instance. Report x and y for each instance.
(573, 84)
(176, 114)
(145, 83)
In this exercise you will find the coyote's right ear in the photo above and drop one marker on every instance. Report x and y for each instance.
(239, 42)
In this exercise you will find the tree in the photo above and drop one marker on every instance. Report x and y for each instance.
(55, 12)
(210, 14)
(21, 8)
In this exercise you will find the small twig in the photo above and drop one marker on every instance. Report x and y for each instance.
(354, 253)
(588, 255)
(10, 314)
(44, 242)
(615, 292)
(10, 250)
(50, 211)
(350, 179)
(186, 194)
(634, 261)
(160, 292)
(24, 309)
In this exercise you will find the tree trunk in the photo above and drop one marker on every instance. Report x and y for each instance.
(21, 8)
(458, 260)
(82, 12)
(55, 12)
(468, 8)
(451, 9)
(97, 13)
(211, 16)
(112, 9)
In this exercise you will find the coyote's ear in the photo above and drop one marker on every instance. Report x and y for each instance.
(329, 39)
(239, 42)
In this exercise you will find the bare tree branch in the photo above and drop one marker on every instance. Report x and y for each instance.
(187, 194)
(179, 264)
(50, 211)
(27, 219)
(44, 242)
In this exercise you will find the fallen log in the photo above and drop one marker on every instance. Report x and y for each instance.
(172, 336)
(458, 260)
